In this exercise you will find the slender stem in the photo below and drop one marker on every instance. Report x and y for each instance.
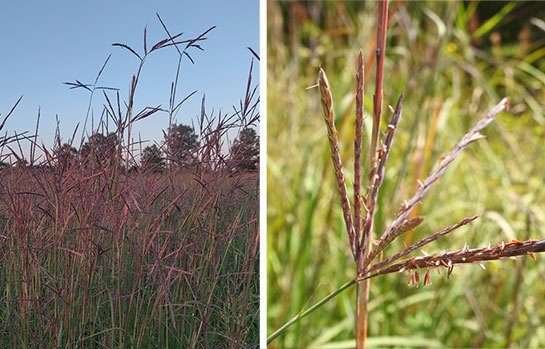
(309, 310)
(362, 298)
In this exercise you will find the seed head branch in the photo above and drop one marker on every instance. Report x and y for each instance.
(382, 156)
(446, 259)
(422, 242)
(408, 225)
(377, 98)
(470, 137)
(327, 108)
(357, 150)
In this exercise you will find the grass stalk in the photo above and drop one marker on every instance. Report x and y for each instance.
(365, 245)
(309, 311)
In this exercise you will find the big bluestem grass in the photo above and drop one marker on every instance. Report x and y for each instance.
(395, 310)
(97, 252)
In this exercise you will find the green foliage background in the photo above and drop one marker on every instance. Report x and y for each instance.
(455, 62)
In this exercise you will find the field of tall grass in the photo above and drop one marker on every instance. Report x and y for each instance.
(455, 60)
(99, 250)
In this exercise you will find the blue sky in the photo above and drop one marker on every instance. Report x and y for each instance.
(46, 43)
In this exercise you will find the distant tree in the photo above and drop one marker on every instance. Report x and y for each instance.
(182, 145)
(245, 150)
(3, 165)
(21, 163)
(153, 159)
(103, 147)
(65, 154)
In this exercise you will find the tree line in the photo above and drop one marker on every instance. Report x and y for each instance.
(179, 149)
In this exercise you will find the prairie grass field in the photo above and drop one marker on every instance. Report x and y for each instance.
(455, 61)
(151, 260)
(103, 245)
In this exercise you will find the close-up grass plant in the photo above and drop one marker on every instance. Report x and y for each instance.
(453, 67)
(104, 245)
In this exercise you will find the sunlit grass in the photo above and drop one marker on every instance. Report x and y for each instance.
(98, 250)
(153, 263)
(450, 82)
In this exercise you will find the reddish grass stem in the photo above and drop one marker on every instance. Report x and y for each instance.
(365, 246)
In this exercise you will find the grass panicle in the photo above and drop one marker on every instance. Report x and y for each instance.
(403, 222)
(470, 137)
